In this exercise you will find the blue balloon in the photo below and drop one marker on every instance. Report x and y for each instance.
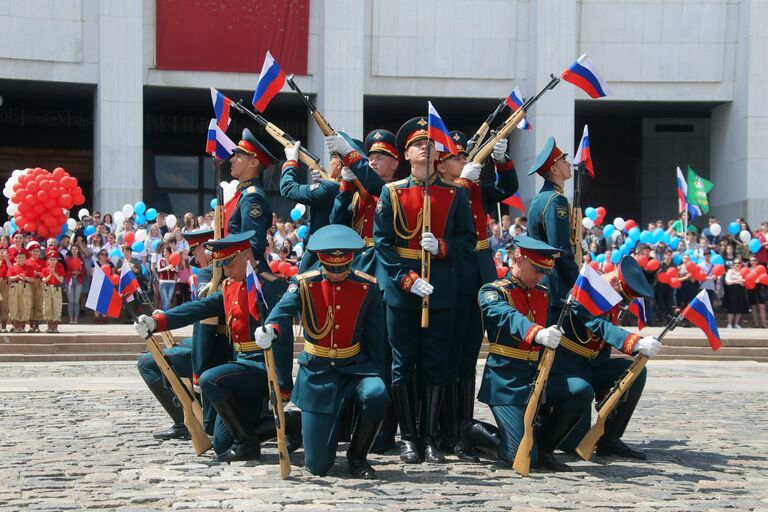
(195, 270)
(590, 212)
(143, 268)
(13, 222)
(734, 228)
(646, 237)
(89, 230)
(139, 208)
(155, 245)
(677, 259)
(658, 235)
(754, 245)
(634, 234)
(674, 242)
(608, 231)
(137, 246)
(616, 257)
(13, 230)
(717, 259)
(295, 215)
(666, 238)
(150, 214)
(302, 231)
(689, 252)
(64, 229)
(115, 253)
(140, 219)
(600, 258)
(214, 202)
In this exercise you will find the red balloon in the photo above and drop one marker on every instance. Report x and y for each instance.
(294, 270)
(31, 199)
(700, 275)
(501, 271)
(33, 187)
(115, 279)
(744, 272)
(75, 264)
(273, 266)
(629, 224)
(750, 283)
(672, 272)
(284, 268)
(760, 270)
(642, 260)
(718, 270)
(600, 211)
(663, 277)
(30, 227)
(691, 267)
(595, 265)
(43, 231)
(106, 269)
(763, 279)
(130, 237)
(675, 282)
(608, 266)
(174, 258)
(59, 173)
(599, 220)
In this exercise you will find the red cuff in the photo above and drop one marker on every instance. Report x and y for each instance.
(290, 163)
(347, 186)
(408, 281)
(276, 328)
(351, 158)
(442, 249)
(162, 322)
(530, 336)
(195, 379)
(505, 166)
(285, 395)
(628, 347)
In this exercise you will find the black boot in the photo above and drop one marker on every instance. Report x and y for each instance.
(430, 407)
(404, 397)
(553, 430)
(449, 432)
(246, 445)
(607, 447)
(482, 436)
(548, 462)
(293, 438)
(610, 443)
(385, 440)
(168, 400)
(466, 408)
(360, 445)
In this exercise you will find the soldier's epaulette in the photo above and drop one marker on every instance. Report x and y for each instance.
(542, 287)
(251, 189)
(502, 282)
(393, 184)
(307, 275)
(363, 275)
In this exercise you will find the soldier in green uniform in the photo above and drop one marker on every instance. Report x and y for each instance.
(343, 356)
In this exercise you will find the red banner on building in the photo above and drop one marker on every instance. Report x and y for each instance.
(232, 35)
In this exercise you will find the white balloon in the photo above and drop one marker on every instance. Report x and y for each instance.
(17, 173)
(9, 209)
(2, 232)
(715, 229)
(141, 235)
(170, 221)
(114, 260)
(83, 213)
(301, 207)
(127, 210)
(745, 236)
(7, 226)
(618, 223)
(118, 218)
(298, 250)
(71, 223)
(7, 192)
(587, 223)
(616, 234)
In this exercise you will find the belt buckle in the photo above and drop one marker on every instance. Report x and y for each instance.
(533, 356)
(332, 353)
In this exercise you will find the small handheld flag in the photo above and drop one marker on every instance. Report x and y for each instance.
(637, 308)
(514, 101)
(221, 106)
(217, 143)
(254, 291)
(271, 80)
(682, 192)
(593, 292)
(515, 201)
(583, 154)
(584, 75)
(128, 283)
(699, 312)
(438, 132)
(102, 296)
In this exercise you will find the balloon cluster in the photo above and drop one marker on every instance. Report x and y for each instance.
(38, 198)
(593, 217)
(298, 211)
(754, 276)
(283, 267)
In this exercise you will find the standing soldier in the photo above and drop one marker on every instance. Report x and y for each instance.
(468, 332)
(36, 288)
(343, 357)
(20, 276)
(515, 313)
(5, 263)
(418, 352)
(52, 276)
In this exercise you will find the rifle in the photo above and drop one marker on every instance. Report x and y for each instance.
(511, 123)
(614, 397)
(193, 412)
(480, 134)
(577, 228)
(305, 156)
(426, 256)
(275, 400)
(522, 462)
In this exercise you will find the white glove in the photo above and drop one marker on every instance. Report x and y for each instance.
(264, 337)
(429, 243)
(338, 144)
(471, 171)
(549, 337)
(145, 325)
(500, 151)
(292, 152)
(347, 174)
(422, 288)
(648, 346)
(315, 174)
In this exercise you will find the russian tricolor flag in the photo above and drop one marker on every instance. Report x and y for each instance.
(254, 290)
(682, 192)
(217, 143)
(515, 201)
(192, 281)
(102, 296)
(637, 308)
(699, 312)
(583, 154)
(515, 101)
(221, 108)
(584, 75)
(271, 80)
(438, 132)
(593, 292)
(128, 283)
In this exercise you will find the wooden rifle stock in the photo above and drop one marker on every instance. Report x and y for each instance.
(473, 144)
(426, 256)
(577, 232)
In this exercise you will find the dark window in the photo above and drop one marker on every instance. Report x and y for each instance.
(182, 183)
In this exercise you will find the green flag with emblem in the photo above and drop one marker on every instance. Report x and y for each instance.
(698, 188)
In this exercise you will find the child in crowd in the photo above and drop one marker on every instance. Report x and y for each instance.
(20, 277)
(52, 276)
(36, 266)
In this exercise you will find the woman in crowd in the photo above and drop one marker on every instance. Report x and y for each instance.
(181, 244)
(74, 277)
(167, 273)
(102, 258)
(108, 222)
(756, 297)
(95, 247)
(735, 300)
(87, 256)
(182, 280)
(190, 223)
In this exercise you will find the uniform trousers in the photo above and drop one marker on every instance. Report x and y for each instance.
(468, 336)
(19, 301)
(36, 289)
(4, 302)
(52, 302)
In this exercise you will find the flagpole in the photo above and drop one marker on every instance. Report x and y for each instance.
(426, 226)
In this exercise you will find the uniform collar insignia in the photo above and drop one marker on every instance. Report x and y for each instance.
(419, 182)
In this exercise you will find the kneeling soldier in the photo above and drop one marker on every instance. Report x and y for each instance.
(343, 357)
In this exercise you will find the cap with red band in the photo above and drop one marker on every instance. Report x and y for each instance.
(248, 145)
(225, 249)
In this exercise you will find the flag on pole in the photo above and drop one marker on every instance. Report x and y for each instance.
(698, 188)
(438, 132)
(637, 308)
(682, 192)
(128, 283)
(514, 101)
(192, 281)
(585, 76)
(699, 312)
(102, 296)
(515, 201)
(593, 292)
(254, 291)
(271, 80)
(221, 105)
(583, 153)
(217, 143)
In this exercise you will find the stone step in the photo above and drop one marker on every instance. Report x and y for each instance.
(44, 358)
(74, 348)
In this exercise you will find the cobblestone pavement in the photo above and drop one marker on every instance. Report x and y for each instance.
(88, 445)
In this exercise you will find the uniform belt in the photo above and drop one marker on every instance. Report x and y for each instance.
(578, 348)
(221, 329)
(54, 285)
(18, 284)
(248, 346)
(369, 241)
(331, 353)
(410, 254)
(514, 353)
(482, 244)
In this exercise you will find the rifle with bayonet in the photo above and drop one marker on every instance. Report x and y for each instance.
(577, 228)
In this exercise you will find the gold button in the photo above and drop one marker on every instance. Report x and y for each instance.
(338, 287)
(365, 287)
(477, 233)
(311, 285)
(234, 302)
(470, 201)
(334, 345)
(365, 220)
(337, 326)
(338, 306)
(333, 363)
(475, 216)
(451, 191)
